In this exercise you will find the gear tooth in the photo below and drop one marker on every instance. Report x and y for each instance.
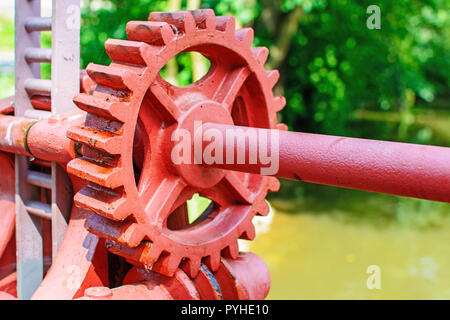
(191, 266)
(133, 255)
(194, 267)
(226, 23)
(103, 140)
(282, 126)
(273, 184)
(152, 254)
(261, 54)
(108, 109)
(98, 173)
(213, 261)
(116, 78)
(272, 77)
(133, 235)
(151, 32)
(125, 233)
(279, 103)
(181, 21)
(167, 264)
(173, 263)
(231, 251)
(87, 85)
(249, 233)
(245, 35)
(126, 51)
(205, 19)
(262, 207)
(110, 204)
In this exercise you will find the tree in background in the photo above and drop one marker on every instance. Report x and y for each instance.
(331, 64)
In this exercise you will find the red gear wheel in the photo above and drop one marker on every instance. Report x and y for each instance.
(131, 116)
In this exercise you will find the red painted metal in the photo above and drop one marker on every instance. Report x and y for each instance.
(13, 132)
(141, 210)
(47, 140)
(130, 195)
(7, 105)
(404, 169)
(243, 278)
(81, 263)
(7, 212)
(7, 223)
(43, 139)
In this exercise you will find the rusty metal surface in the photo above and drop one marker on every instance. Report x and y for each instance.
(24, 40)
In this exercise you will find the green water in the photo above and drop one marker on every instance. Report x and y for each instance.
(325, 256)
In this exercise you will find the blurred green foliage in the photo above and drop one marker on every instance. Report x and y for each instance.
(355, 206)
(337, 65)
(6, 30)
(331, 63)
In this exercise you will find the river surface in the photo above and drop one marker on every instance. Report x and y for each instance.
(325, 256)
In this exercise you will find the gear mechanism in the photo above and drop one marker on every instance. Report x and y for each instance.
(134, 191)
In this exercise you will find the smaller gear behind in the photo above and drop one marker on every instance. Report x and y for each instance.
(136, 194)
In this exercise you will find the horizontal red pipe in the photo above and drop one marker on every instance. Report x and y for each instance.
(47, 139)
(43, 139)
(411, 170)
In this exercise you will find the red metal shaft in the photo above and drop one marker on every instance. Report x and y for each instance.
(43, 139)
(404, 169)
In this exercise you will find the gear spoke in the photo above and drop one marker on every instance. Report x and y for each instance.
(220, 194)
(160, 198)
(230, 86)
(163, 101)
(238, 188)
